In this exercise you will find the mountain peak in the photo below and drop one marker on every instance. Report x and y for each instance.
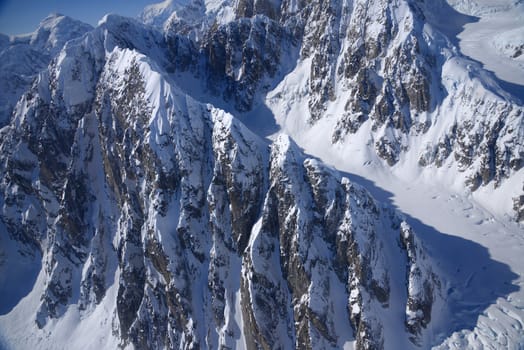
(157, 14)
(55, 30)
(156, 219)
(24, 56)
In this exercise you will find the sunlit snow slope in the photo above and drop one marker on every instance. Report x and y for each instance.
(495, 37)
(316, 174)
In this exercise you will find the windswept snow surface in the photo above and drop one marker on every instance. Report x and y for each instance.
(497, 38)
(183, 12)
(156, 14)
(478, 244)
(91, 329)
(479, 249)
(487, 280)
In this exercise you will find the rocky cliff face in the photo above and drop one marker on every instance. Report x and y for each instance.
(23, 57)
(385, 73)
(161, 221)
(185, 229)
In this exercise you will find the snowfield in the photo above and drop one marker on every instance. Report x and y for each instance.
(495, 37)
(253, 226)
(473, 235)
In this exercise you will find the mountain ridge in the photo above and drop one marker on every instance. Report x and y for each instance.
(72, 243)
(163, 221)
(405, 118)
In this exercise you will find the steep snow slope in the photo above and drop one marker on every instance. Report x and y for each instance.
(457, 122)
(193, 18)
(386, 75)
(497, 38)
(165, 223)
(457, 127)
(22, 57)
(435, 194)
(486, 283)
(162, 221)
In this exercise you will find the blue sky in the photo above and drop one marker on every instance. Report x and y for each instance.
(23, 16)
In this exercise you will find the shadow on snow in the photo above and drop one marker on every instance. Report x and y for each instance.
(472, 279)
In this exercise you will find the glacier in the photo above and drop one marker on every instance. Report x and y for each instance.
(262, 174)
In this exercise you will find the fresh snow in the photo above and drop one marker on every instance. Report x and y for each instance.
(442, 215)
(157, 14)
(75, 329)
(472, 237)
(18, 272)
(492, 272)
(495, 37)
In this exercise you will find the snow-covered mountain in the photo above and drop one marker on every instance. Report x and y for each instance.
(388, 75)
(154, 192)
(339, 75)
(23, 57)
